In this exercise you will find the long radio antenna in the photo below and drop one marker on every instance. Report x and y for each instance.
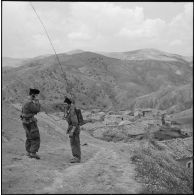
(69, 91)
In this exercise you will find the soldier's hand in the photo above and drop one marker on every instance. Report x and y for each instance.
(71, 134)
(36, 101)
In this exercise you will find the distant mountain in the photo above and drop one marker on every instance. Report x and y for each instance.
(13, 62)
(75, 51)
(144, 54)
(188, 58)
(41, 57)
(94, 79)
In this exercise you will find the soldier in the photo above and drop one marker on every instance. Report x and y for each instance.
(73, 130)
(163, 119)
(29, 122)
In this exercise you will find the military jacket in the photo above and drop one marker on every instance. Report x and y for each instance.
(29, 109)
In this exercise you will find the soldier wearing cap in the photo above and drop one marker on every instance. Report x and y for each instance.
(73, 129)
(30, 108)
(163, 119)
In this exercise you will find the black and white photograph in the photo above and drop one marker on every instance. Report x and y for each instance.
(97, 97)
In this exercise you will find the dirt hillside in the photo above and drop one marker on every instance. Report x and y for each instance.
(106, 167)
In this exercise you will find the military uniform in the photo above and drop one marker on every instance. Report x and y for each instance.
(73, 124)
(163, 119)
(29, 122)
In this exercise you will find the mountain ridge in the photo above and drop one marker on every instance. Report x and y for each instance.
(94, 79)
(110, 54)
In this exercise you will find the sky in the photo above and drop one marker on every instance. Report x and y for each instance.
(96, 26)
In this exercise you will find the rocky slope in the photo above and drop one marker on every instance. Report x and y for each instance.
(119, 166)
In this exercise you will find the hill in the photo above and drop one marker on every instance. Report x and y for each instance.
(12, 62)
(74, 51)
(171, 99)
(95, 80)
(122, 151)
(143, 54)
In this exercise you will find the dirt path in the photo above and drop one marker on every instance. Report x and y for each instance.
(105, 167)
(107, 171)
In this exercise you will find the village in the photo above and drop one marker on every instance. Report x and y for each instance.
(127, 126)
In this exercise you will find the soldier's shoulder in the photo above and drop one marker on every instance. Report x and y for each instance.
(27, 102)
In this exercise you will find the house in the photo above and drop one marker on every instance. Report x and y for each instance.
(187, 131)
(124, 122)
(112, 119)
(147, 112)
(138, 113)
(126, 112)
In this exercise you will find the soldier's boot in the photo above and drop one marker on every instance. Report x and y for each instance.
(34, 155)
(75, 160)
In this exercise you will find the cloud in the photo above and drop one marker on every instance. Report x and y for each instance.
(182, 24)
(179, 31)
(185, 18)
(79, 35)
(117, 26)
(147, 29)
(176, 43)
(91, 26)
(104, 18)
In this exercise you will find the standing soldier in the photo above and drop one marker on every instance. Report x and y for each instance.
(29, 122)
(73, 130)
(163, 119)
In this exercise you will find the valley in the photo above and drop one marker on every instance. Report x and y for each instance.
(125, 147)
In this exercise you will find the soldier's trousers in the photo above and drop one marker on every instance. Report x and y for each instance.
(32, 137)
(75, 145)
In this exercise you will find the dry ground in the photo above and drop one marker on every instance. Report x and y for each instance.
(106, 167)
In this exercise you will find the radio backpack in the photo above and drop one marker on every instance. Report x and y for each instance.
(79, 116)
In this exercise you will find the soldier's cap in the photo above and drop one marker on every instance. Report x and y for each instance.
(67, 100)
(34, 91)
